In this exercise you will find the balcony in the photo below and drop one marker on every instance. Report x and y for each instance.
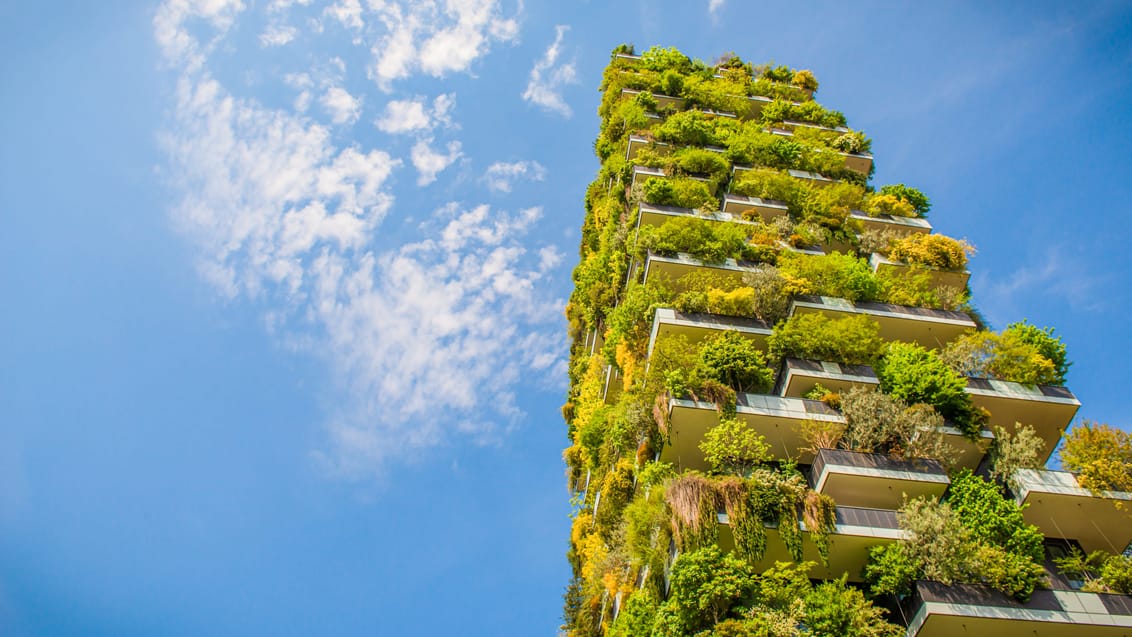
(1061, 508)
(642, 173)
(767, 209)
(639, 142)
(654, 215)
(662, 101)
(672, 268)
(926, 326)
(875, 480)
(696, 327)
(938, 610)
(857, 162)
(813, 178)
(856, 530)
(791, 125)
(776, 418)
(952, 278)
(901, 226)
(800, 376)
(1048, 409)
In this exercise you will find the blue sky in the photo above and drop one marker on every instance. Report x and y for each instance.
(282, 282)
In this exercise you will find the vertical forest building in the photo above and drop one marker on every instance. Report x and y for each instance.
(786, 416)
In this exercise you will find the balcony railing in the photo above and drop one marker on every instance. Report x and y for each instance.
(695, 327)
(875, 480)
(799, 376)
(927, 326)
(767, 209)
(938, 610)
(1058, 505)
(902, 226)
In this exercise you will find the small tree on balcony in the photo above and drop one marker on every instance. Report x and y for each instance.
(1101, 455)
(732, 447)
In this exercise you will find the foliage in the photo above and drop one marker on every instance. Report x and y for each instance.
(1011, 452)
(665, 59)
(881, 204)
(710, 241)
(682, 192)
(854, 340)
(891, 570)
(690, 128)
(878, 423)
(805, 79)
(993, 518)
(1101, 455)
(836, 610)
(736, 362)
(839, 275)
(706, 587)
(1048, 345)
(931, 250)
(918, 375)
(1005, 356)
(1101, 571)
(919, 202)
(732, 447)
(692, 501)
(636, 616)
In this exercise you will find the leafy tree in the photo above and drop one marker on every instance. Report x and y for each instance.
(878, 423)
(1005, 356)
(1011, 452)
(706, 588)
(931, 250)
(836, 610)
(854, 340)
(913, 196)
(917, 375)
(732, 447)
(637, 615)
(1101, 455)
(993, 518)
(1047, 344)
(836, 274)
(736, 362)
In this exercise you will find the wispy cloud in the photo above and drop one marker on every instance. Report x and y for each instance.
(430, 163)
(500, 175)
(1057, 276)
(414, 115)
(548, 78)
(277, 35)
(427, 339)
(713, 8)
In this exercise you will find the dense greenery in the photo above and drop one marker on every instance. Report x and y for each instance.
(1100, 455)
(735, 128)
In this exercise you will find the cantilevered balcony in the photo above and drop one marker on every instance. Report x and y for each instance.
(800, 376)
(938, 610)
(654, 215)
(668, 322)
(640, 142)
(856, 530)
(926, 326)
(791, 125)
(1048, 409)
(875, 480)
(857, 162)
(642, 173)
(767, 209)
(901, 226)
(1062, 508)
(672, 268)
(952, 278)
(776, 418)
(809, 177)
(662, 101)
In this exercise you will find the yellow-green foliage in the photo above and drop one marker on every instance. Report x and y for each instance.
(932, 250)
(1101, 455)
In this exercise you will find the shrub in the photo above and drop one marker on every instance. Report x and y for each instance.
(805, 79)
(833, 608)
(919, 202)
(1100, 454)
(839, 275)
(689, 128)
(736, 362)
(918, 375)
(1101, 571)
(888, 205)
(682, 192)
(662, 59)
(731, 447)
(931, 250)
(1004, 356)
(711, 241)
(877, 423)
(853, 340)
(993, 518)
(769, 301)
(706, 588)
(1047, 344)
(1012, 452)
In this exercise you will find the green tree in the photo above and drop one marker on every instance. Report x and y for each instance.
(732, 447)
(736, 362)
(918, 375)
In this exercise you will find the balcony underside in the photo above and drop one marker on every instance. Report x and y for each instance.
(876, 481)
(696, 327)
(1061, 508)
(1049, 410)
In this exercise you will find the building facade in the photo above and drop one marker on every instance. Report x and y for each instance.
(786, 416)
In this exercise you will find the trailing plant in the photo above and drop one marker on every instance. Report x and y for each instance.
(1100, 455)
(692, 499)
(917, 375)
(853, 340)
(931, 250)
(1102, 572)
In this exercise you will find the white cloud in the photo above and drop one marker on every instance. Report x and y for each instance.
(436, 38)
(427, 340)
(544, 88)
(348, 12)
(413, 115)
(342, 107)
(500, 175)
(429, 163)
(714, 6)
(277, 35)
